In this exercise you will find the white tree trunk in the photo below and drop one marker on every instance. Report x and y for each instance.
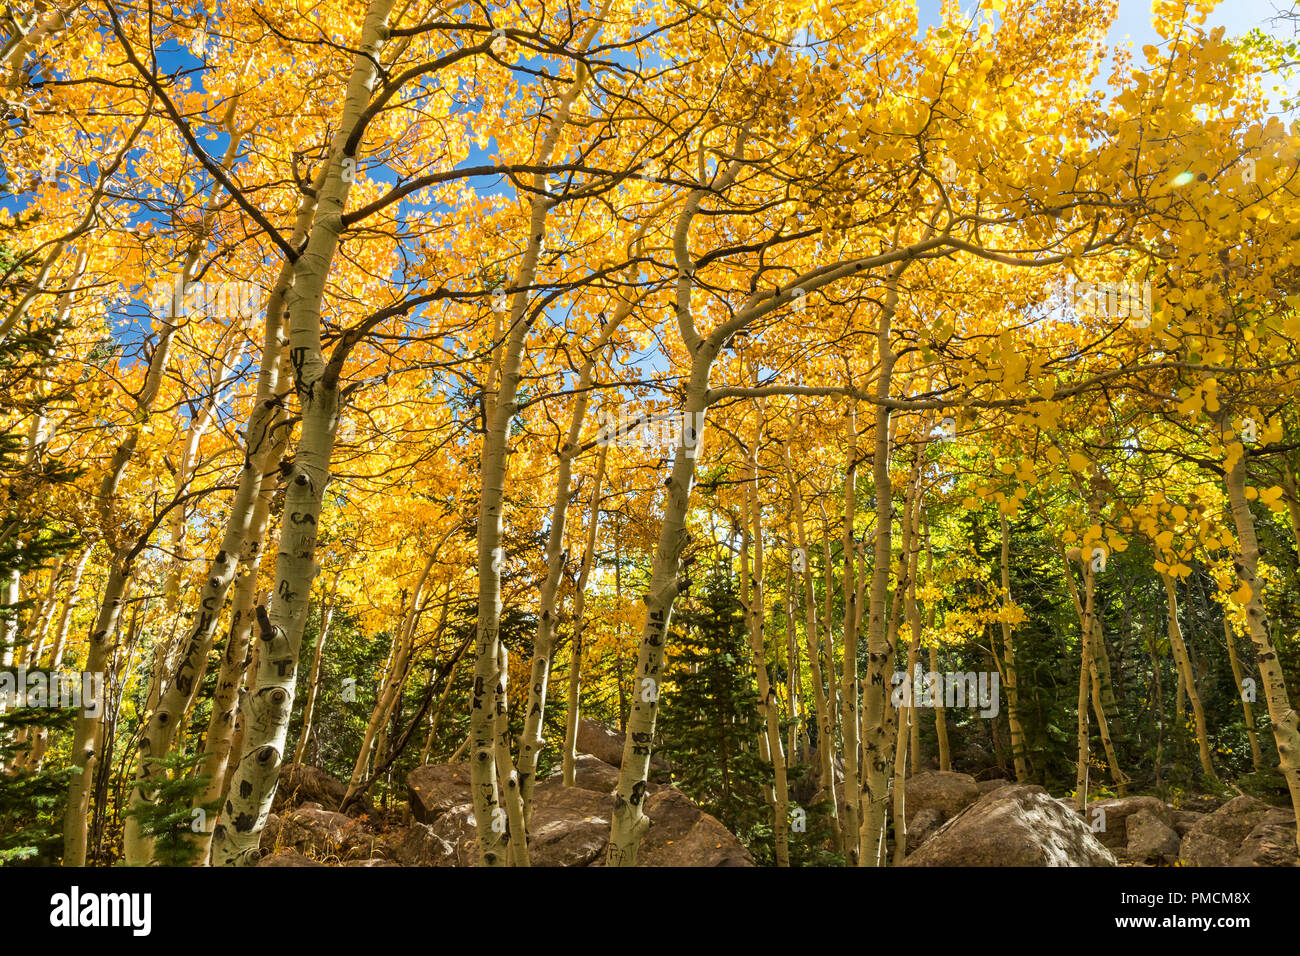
(568, 768)
(752, 597)
(1283, 717)
(1256, 755)
(313, 681)
(87, 731)
(880, 651)
(1184, 664)
(267, 707)
(530, 745)
(822, 707)
(218, 740)
(395, 677)
(1009, 654)
(629, 821)
(850, 717)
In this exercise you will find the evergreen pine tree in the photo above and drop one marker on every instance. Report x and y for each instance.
(709, 724)
(171, 818)
(31, 802)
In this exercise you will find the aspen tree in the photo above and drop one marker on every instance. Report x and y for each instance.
(261, 446)
(438, 711)
(940, 720)
(1184, 664)
(40, 735)
(395, 676)
(1081, 764)
(568, 768)
(875, 745)
(822, 706)
(753, 599)
(531, 743)
(514, 831)
(219, 738)
(1256, 756)
(1160, 705)
(905, 597)
(1009, 655)
(196, 427)
(500, 409)
(1085, 611)
(267, 708)
(87, 736)
(383, 759)
(39, 624)
(797, 734)
(629, 822)
(849, 697)
(85, 741)
(828, 635)
(914, 655)
(1283, 717)
(313, 681)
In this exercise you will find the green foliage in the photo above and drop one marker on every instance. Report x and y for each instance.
(709, 724)
(31, 801)
(172, 819)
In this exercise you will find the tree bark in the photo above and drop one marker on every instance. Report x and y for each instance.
(87, 733)
(579, 628)
(753, 599)
(1184, 664)
(499, 411)
(880, 651)
(1256, 755)
(1009, 657)
(849, 714)
(218, 741)
(313, 682)
(822, 707)
(267, 708)
(905, 596)
(530, 745)
(1283, 716)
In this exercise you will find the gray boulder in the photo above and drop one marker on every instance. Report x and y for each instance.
(943, 791)
(922, 826)
(591, 773)
(287, 858)
(417, 845)
(1019, 825)
(570, 825)
(603, 743)
(1184, 820)
(436, 788)
(306, 784)
(1108, 819)
(1150, 839)
(324, 833)
(1243, 832)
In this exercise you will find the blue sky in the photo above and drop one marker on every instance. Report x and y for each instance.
(1238, 16)
(1133, 24)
